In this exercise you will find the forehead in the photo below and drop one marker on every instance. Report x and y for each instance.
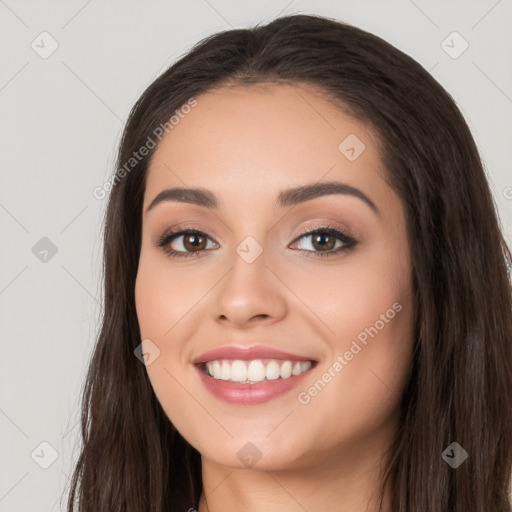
(266, 136)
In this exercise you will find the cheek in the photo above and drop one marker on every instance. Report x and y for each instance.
(164, 296)
(167, 309)
(153, 300)
(364, 292)
(160, 306)
(370, 316)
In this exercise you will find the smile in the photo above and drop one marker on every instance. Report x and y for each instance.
(250, 375)
(256, 370)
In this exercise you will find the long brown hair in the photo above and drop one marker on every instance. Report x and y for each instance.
(133, 459)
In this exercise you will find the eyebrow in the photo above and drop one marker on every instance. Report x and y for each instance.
(288, 197)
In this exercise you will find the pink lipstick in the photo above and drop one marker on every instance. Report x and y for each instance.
(251, 375)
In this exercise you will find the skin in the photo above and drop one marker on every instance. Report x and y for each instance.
(247, 144)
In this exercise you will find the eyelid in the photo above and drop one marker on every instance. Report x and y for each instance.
(325, 225)
(344, 235)
(188, 226)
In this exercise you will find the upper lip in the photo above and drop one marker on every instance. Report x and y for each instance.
(247, 353)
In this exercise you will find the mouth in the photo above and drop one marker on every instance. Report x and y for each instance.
(251, 375)
(254, 371)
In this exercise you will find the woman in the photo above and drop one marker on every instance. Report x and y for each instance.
(307, 303)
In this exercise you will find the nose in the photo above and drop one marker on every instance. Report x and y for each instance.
(249, 293)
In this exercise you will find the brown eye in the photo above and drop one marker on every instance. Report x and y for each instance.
(193, 242)
(184, 243)
(326, 241)
(323, 241)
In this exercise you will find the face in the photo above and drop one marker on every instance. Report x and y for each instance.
(300, 305)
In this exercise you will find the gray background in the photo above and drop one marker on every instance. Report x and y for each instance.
(61, 119)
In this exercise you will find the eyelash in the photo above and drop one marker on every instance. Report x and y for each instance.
(349, 241)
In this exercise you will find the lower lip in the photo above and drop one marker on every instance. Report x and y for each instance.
(249, 394)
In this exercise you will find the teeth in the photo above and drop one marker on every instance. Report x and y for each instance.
(304, 367)
(272, 370)
(286, 370)
(255, 371)
(225, 372)
(216, 369)
(238, 371)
